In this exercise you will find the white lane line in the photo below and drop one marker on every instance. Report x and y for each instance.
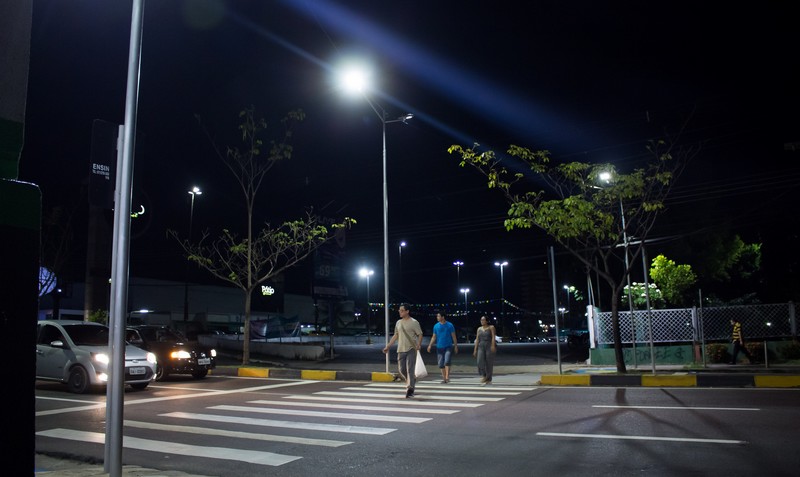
(680, 408)
(409, 402)
(328, 405)
(639, 438)
(378, 431)
(164, 447)
(475, 387)
(206, 431)
(431, 391)
(132, 402)
(335, 415)
(403, 396)
(50, 398)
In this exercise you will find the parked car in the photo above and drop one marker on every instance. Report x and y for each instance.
(176, 355)
(76, 353)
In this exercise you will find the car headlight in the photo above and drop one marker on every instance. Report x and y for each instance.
(100, 358)
(151, 358)
(213, 353)
(182, 354)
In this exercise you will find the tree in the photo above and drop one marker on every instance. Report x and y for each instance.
(258, 256)
(583, 217)
(639, 295)
(672, 279)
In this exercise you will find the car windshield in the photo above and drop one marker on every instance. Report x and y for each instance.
(88, 335)
(164, 335)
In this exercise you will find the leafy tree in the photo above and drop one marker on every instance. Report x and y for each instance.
(583, 217)
(672, 279)
(248, 261)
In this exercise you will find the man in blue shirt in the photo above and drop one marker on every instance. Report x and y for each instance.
(444, 337)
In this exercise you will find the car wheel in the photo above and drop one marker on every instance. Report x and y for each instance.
(200, 374)
(139, 386)
(78, 380)
(161, 373)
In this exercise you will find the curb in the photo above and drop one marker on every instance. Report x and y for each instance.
(674, 380)
(311, 374)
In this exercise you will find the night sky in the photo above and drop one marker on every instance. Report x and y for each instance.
(589, 81)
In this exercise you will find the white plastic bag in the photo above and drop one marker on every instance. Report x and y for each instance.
(420, 371)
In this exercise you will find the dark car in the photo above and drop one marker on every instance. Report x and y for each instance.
(176, 355)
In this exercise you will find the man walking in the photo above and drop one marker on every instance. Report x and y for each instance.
(444, 337)
(738, 342)
(408, 335)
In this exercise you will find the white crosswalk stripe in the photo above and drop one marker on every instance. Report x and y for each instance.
(168, 447)
(378, 431)
(329, 405)
(337, 415)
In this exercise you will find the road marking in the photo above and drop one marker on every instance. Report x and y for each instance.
(403, 396)
(474, 388)
(206, 431)
(429, 390)
(164, 447)
(328, 405)
(49, 398)
(409, 402)
(132, 402)
(378, 431)
(692, 408)
(336, 415)
(639, 438)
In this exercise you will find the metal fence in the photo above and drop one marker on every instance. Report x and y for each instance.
(699, 324)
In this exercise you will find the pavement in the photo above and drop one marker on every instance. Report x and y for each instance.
(565, 374)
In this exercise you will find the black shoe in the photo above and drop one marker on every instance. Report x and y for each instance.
(409, 392)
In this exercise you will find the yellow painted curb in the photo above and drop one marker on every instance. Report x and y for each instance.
(318, 375)
(383, 377)
(777, 381)
(254, 372)
(565, 380)
(659, 380)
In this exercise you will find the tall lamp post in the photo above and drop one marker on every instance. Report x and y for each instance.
(466, 311)
(364, 273)
(606, 177)
(502, 294)
(458, 264)
(193, 192)
(400, 247)
(355, 81)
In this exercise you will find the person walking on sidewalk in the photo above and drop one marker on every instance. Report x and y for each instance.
(408, 335)
(444, 337)
(485, 350)
(738, 342)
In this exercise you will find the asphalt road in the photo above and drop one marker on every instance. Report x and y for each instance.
(228, 426)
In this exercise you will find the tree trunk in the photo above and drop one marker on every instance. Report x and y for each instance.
(246, 342)
(620, 358)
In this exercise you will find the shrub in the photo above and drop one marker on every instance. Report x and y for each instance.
(791, 351)
(99, 316)
(717, 353)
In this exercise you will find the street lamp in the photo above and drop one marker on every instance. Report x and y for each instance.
(606, 177)
(567, 289)
(466, 311)
(355, 81)
(458, 264)
(400, 264)
(502, 294)
(193, 192)
(364, 273)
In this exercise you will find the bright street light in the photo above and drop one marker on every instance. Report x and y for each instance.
(458, 264)
(356, 80)
(466, 311)
(502, 294)
(193, 192)
(364, 273)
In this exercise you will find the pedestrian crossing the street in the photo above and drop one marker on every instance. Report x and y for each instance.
(333, 417)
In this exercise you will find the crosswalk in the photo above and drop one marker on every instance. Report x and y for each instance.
(372, 409)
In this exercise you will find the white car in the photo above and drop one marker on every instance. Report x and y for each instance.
(76, 353)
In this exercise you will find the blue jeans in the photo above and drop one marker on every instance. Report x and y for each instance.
(444, 355)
